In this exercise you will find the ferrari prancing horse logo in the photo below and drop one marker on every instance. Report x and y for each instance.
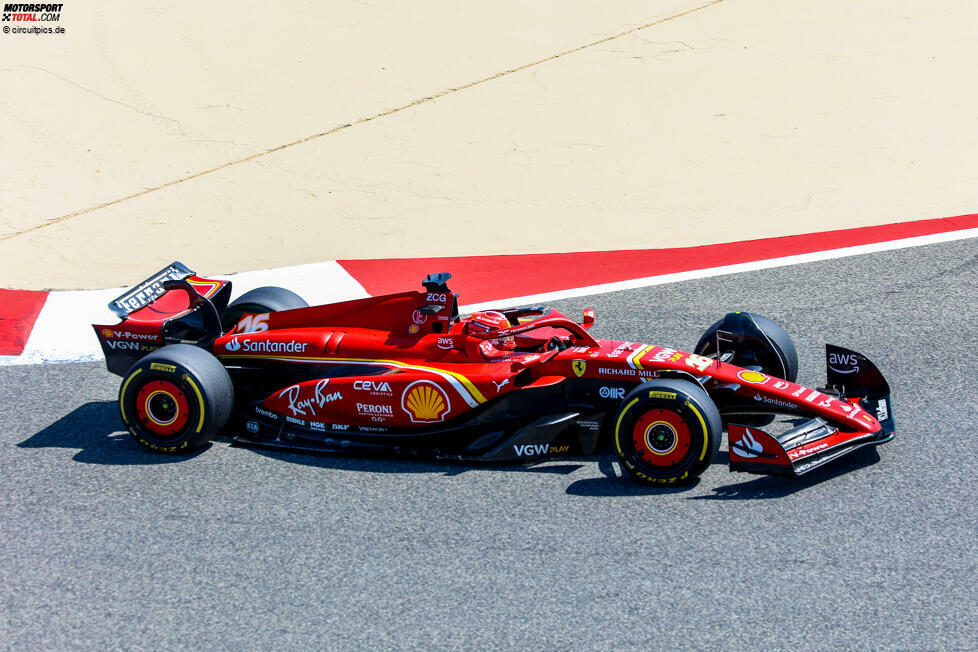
(579, 366)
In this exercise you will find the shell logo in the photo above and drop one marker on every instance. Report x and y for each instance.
(425, 402)
(752, 377)
(107, 333)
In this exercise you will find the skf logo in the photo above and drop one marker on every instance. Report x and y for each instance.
(579, 366)
(425, 402)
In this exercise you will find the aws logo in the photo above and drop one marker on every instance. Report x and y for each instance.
(425, 402)
(842, 363)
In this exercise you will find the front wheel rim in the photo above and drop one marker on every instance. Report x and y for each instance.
(661, 438)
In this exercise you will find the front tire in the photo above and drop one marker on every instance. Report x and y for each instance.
(176, 399)
(758, 341)
(667, 431)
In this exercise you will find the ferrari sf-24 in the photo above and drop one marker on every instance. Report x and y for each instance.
(405, 374)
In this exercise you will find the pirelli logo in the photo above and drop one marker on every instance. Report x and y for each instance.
(666, 395)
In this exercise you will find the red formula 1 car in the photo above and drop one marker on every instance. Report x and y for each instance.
(405, 374)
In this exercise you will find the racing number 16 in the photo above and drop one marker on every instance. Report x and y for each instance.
(253, 323)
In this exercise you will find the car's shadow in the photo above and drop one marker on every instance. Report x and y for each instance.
(761, 487)
(612, 483)
(385, 464)
(96, 429)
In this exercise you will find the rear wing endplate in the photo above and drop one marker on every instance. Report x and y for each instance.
(143, 294)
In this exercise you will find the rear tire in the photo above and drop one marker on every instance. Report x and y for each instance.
(260, 300)
(176, 399)
(667, 431)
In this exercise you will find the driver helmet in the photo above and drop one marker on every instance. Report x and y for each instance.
(489, 321)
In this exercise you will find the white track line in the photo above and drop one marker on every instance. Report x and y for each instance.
(63, 333)
(63, 330)
(798, 259)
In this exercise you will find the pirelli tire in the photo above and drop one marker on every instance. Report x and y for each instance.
(762, 344)
(176, 399)
(769, 346)
(260, 300)
(667, 431)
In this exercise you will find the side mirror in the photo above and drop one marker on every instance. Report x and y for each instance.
(588, 317)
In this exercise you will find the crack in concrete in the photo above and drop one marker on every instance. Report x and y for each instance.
(106, 98)
(364, 120)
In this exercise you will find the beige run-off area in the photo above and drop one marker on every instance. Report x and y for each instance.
(237, 136)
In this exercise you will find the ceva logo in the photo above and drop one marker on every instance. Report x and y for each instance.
(372, 386)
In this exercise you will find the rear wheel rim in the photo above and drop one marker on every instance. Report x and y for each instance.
(162, 408)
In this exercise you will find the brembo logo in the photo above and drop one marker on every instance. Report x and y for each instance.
(261, 346)
(851, 361)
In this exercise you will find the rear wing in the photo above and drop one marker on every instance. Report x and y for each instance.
(173, 305)
(143, 294)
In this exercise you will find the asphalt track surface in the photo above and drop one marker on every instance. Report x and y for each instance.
(107, 545)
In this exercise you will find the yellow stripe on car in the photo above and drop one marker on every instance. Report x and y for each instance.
(636, 360)
(475, 396)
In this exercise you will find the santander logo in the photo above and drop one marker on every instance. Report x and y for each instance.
(264, 346)
(748, 446)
